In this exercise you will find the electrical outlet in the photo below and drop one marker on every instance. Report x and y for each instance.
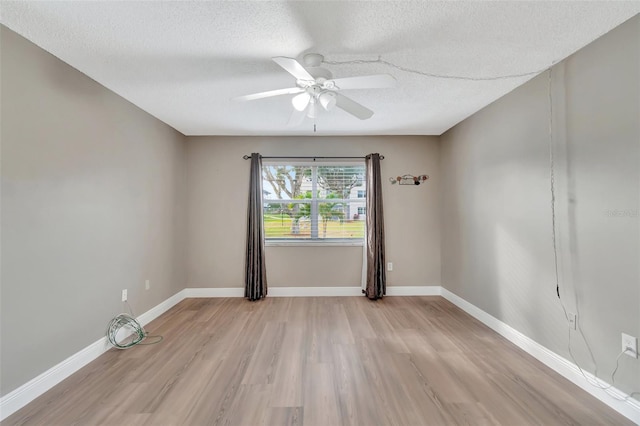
(630, 345)
(147, 285)
(390, 266)
(572, 320)
(124, 295)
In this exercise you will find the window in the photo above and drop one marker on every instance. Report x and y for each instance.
(313, 202)
(361, 210)
(362, 193)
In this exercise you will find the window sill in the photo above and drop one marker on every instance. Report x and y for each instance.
(314, 243)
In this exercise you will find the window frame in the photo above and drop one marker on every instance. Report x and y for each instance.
(314, 201)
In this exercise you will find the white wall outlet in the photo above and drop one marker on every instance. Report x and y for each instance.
(124, 295)
(630, 345)
(147, 285)
(390, 266)
(572, 320)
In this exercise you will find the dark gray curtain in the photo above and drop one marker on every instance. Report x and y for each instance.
(376, 277)
(256, 273)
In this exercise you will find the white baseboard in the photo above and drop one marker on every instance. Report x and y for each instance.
(18, 398)
(313, 291)
(423, 290)
(214, 292)
(161, 308)
(620, 401)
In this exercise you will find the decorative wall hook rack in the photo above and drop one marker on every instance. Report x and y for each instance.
(408, 179)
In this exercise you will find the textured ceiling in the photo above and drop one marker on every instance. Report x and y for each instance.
(183, 61)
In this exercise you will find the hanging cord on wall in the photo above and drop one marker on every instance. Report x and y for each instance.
(552, 180)
(431, 74)
(135, 333)
(557, 275)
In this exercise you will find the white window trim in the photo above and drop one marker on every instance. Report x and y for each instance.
(323, 242)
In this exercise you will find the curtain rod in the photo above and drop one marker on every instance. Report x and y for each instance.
(246, 157)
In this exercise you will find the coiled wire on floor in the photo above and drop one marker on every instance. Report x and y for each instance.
(132, 331)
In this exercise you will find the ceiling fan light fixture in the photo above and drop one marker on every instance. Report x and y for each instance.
(301, 101)
(327, 100)
(312, 112)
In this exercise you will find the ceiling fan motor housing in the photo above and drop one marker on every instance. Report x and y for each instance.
(320, 74)
(313, 59)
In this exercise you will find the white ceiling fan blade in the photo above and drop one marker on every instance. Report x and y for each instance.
(297, 117)
(352, 107)
(293, 67)
(270, 93)
(377, 81)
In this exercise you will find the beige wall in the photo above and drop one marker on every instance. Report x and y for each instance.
(92, 203)
(496, 245)
(218, 179)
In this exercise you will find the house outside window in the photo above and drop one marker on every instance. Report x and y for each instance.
(313, 202)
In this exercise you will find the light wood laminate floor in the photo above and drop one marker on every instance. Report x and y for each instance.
(317, 361)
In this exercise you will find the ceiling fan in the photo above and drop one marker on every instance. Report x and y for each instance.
(316, 87)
